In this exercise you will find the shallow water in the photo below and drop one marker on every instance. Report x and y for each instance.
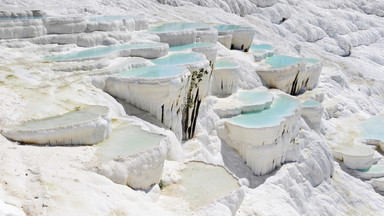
(373, 128)
(376, 168)
(201, 184)
(282, 61)
(70, 118)
(153, 71)
(282, 106)
(225, 64)
(180, 59)
(190, 46)
(100, 51)
(262, 47)
(127, 140)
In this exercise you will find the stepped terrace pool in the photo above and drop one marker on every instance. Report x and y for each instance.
(281, 107)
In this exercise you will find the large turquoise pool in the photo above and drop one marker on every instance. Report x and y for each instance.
(153, 72)
(180, 59)
(176, 26)
(100, 51)
(282, 106)
(190, 46)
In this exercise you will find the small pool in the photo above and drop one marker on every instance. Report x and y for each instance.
(262, 47)
(376, 168)
(201, 184)
(100, 51)
(190, 46)
(373, 128)
(153, 72)
(127, 140)
(282, 106)
(282, 61)
(310, 103)
(253, 97)
(108, 18)
(223, 28)
(225, 64)
(67, 119)
(312, 61)
(180, 59)
(176, 26)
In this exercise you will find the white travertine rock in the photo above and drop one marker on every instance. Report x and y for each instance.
(155, 95)
(207, 35)
(132, 156)
(225, 38)
(17, 29)
(314, 68)
(176, 38)
(286, 79)
(206, 188)
(176, 34)
(243, 102)
(65, 25)
(242, 37)
(225, 76)
(312, 112)
(355, 157)
(86, 126)
(289, 74)
(82, 39)
(264, 138)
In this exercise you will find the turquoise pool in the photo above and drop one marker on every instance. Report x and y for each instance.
(190, 46)
(100, 51)
(126, 140)
(373, 128)
(310, 103)
(153, 72)
(180, 59)
(225, 64)
(177, 26)
(262, 47)
(282, 61)
(376, 168)
(282, 106)
(108, 18)
(253, 97)
(223, 28)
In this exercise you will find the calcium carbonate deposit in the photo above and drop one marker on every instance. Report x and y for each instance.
(191, 107)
